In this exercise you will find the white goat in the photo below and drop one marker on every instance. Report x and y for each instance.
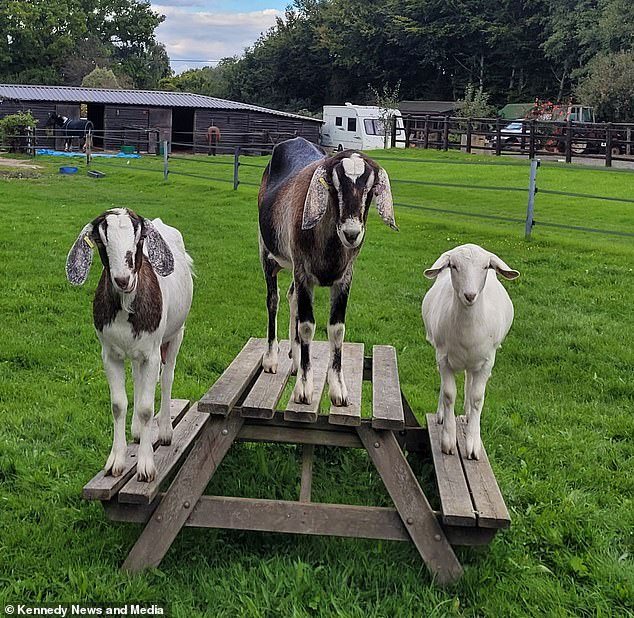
(137, 315)
(467, 313)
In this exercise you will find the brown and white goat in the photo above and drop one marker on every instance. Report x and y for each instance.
(139, 312)
(313, 211)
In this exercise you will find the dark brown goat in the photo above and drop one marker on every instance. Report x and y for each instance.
(313, 211)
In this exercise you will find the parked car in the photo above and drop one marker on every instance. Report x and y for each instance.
(510, 136)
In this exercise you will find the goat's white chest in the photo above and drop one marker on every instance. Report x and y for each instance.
(119, 338)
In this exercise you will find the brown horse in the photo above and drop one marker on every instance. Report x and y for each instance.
(213, 139)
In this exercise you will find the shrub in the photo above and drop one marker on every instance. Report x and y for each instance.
(14, 129)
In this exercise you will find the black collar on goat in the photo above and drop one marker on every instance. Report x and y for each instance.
(313, 211)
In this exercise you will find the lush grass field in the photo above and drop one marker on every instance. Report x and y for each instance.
(558, 420)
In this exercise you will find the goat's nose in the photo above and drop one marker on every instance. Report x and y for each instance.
(122, 282)
(351, 235)
(469, 296)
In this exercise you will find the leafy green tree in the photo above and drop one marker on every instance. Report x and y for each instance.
(101, 78)
(60, 41)
(609, 86)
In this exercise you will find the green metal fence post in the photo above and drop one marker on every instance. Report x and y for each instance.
(532, 189)
(236, 167)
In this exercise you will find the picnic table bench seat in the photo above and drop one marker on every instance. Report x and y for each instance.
(243, 406)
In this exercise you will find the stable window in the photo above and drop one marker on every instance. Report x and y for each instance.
(338, 121)
(352, 124)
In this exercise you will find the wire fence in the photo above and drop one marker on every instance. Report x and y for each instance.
(200, 167)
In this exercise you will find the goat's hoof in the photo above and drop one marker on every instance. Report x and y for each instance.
(447, 445)
(115, 465)
(474, 448)
(269, 363)
(145, 473)
(302, 393)
(165, 437)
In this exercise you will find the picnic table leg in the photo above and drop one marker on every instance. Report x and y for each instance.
(411, 504)
(212, 445)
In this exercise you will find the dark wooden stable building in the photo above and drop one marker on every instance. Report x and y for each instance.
(141, 118)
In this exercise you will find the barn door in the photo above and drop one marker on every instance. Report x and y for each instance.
(160, 119)
(70, 111)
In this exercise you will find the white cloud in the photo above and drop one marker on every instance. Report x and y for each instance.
(209, 35)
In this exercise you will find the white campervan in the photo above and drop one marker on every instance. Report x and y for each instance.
(357, 126)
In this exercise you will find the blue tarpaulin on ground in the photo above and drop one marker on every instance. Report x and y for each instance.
(60, 153)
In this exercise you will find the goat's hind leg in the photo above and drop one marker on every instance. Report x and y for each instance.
(270, 268)
(115, 373)
(169, 352)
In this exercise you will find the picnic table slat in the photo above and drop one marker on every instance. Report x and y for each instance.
(307, 413)
(104, 487)
(455, 499)
(489, 504)
(387, 407)
(165, 459)
(267, 390)
(226, 391)
(352, 363)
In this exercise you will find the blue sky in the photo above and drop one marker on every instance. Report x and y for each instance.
(196, 30)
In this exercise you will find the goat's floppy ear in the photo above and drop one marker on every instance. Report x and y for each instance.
(79, 257)
(441, 263)
(158, 252)
(317, 197)
(383, 197)
(502, 267)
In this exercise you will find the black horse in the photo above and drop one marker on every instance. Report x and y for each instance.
(80, 129)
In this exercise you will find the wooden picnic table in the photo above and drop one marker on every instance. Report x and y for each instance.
(242, 406)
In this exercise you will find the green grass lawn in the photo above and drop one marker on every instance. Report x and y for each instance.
(558, 422)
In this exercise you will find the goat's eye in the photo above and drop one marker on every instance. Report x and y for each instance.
(453, 267)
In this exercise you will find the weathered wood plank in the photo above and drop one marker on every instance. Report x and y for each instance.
(307, 413)
(455, 499)
(356, 521)
(411, 503)
(267, 390)
(488, 502)
(228, 388)
(352, 363)
(188, 485)
(165, 459)
(387, 407)
(103, 487)
(298, 518)
(298, 435)
(308, 456)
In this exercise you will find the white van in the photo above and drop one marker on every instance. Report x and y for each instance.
(358, 127)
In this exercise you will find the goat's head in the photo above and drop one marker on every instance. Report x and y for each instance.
(350, 180)
(119, 235)
(469, 266)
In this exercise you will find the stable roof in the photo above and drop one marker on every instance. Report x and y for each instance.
(155, 98)
(439, 108)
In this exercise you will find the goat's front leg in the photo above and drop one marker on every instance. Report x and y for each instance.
(270, 268)
(293, 336)
(169, 352)
(146, 375)
(336, 332)
(475, 397)
(446, 402)
(115, 373)
(303, 392)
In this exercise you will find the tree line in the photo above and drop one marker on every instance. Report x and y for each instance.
(330, 51)
(59, 42)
